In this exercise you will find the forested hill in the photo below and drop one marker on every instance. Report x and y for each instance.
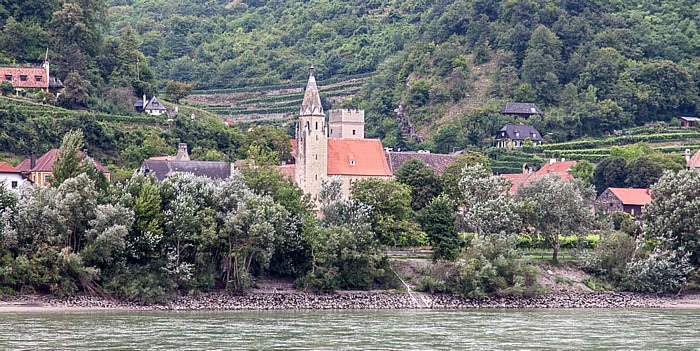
(593, 66)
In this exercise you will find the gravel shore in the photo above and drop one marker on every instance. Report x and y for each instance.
(350, 300)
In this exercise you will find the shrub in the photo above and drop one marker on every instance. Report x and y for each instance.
(661, 272)
(609, 261)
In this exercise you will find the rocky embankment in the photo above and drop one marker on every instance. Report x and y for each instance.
(355, 300)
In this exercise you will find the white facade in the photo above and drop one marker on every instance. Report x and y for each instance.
(12, 181)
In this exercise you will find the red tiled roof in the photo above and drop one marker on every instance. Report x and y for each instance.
(694, 161)
(8, 168)
(364, 157)
(630, 196)
(289, 171)
(29, 73)
(46, 161)
(524, 179)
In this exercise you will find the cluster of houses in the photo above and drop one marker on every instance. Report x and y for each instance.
(337, 147)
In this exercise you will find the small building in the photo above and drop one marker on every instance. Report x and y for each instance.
(522, 109)
(515, 135)
(689, 121)
(692, 162)
(627, 200)
(12, 177)
(39, 170)
(163, 167)
(152, 107)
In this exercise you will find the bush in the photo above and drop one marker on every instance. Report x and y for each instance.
(609, 261)
(661, 271)
(141, 284)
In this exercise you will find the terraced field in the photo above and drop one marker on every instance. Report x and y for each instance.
(41, 110)
(274, 102)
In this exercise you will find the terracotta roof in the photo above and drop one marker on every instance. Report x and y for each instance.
(357, 157)
(521, 108)
(29, 74)
(438, 162)
(289, 171)
(630, 196)
(524, 179)
(694, 161)
(46, 161)
(8, 168)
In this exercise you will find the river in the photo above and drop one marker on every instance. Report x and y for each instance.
(561, 329)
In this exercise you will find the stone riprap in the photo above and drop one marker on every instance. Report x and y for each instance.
(357, 300)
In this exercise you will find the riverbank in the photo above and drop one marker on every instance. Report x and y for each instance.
(347, 301)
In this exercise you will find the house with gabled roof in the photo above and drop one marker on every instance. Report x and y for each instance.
(522, 109)
(689, 121)
(12, 177)
(514, 135)
(562, 169)
(692, 162)
(152, 107)
(628, 200)
(39, 170)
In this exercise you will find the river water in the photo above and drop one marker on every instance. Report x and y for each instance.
(565, 329)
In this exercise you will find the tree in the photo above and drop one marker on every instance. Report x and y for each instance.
(555, 207)
(584, 171)
(7, 88)
(175, 91)
(69, 160)
(452, 174)
(424, 183)
(438, 222)
(542, 64)
(642, 173)
(76, 92)
(610, 173)
(391, 213)
(486, 206)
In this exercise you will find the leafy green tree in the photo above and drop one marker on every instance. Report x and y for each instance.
(610, 173)
(555, 207)
(438, 221)
(175, 91)
(642, 173)
(68, 163)
(76, 92)
(269, 139)
(542, 64)
(452, 174)
(584, 171)
(424, 183)
(7, 88)
(391, 213)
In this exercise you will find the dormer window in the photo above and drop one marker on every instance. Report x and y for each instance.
(38, 78)
(517, 134)
(23, 77)
(534, 135)
(155, 103)
(8, 77)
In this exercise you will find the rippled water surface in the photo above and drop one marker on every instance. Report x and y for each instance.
(613, 329)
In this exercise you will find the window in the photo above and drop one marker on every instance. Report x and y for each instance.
(316, 156)
(155, 103)
(8, 77)
(316, 125)
(38, 78)
(352, 162)
(47, 179)
(14, 185)
(353, 132)
(23, 77)
(517, 134)
(632, 211)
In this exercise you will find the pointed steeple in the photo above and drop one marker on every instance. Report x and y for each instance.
(311, 106)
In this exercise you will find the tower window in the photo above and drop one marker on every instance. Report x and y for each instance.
(352, 162)
(353, 132)
(316, 125)
(316, 156)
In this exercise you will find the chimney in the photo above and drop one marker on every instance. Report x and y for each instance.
(144, 101)
(687, 155)
(524, 168)
(648, 191)
(32, 161)
(552, 161)
(182, 154)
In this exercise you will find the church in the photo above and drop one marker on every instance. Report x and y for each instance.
(334, 148)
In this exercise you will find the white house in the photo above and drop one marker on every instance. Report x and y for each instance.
(12, 177)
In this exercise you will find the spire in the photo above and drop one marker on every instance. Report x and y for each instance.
(312, 101)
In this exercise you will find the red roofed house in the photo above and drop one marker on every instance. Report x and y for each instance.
(623, 200)
(39, 170)
(11, 176)
(27, 77)
(562, 169)
(320, 154)
(692, 162)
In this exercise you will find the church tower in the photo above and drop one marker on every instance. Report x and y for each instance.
(312, 141)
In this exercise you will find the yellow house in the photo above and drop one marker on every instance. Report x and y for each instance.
(39, 170)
